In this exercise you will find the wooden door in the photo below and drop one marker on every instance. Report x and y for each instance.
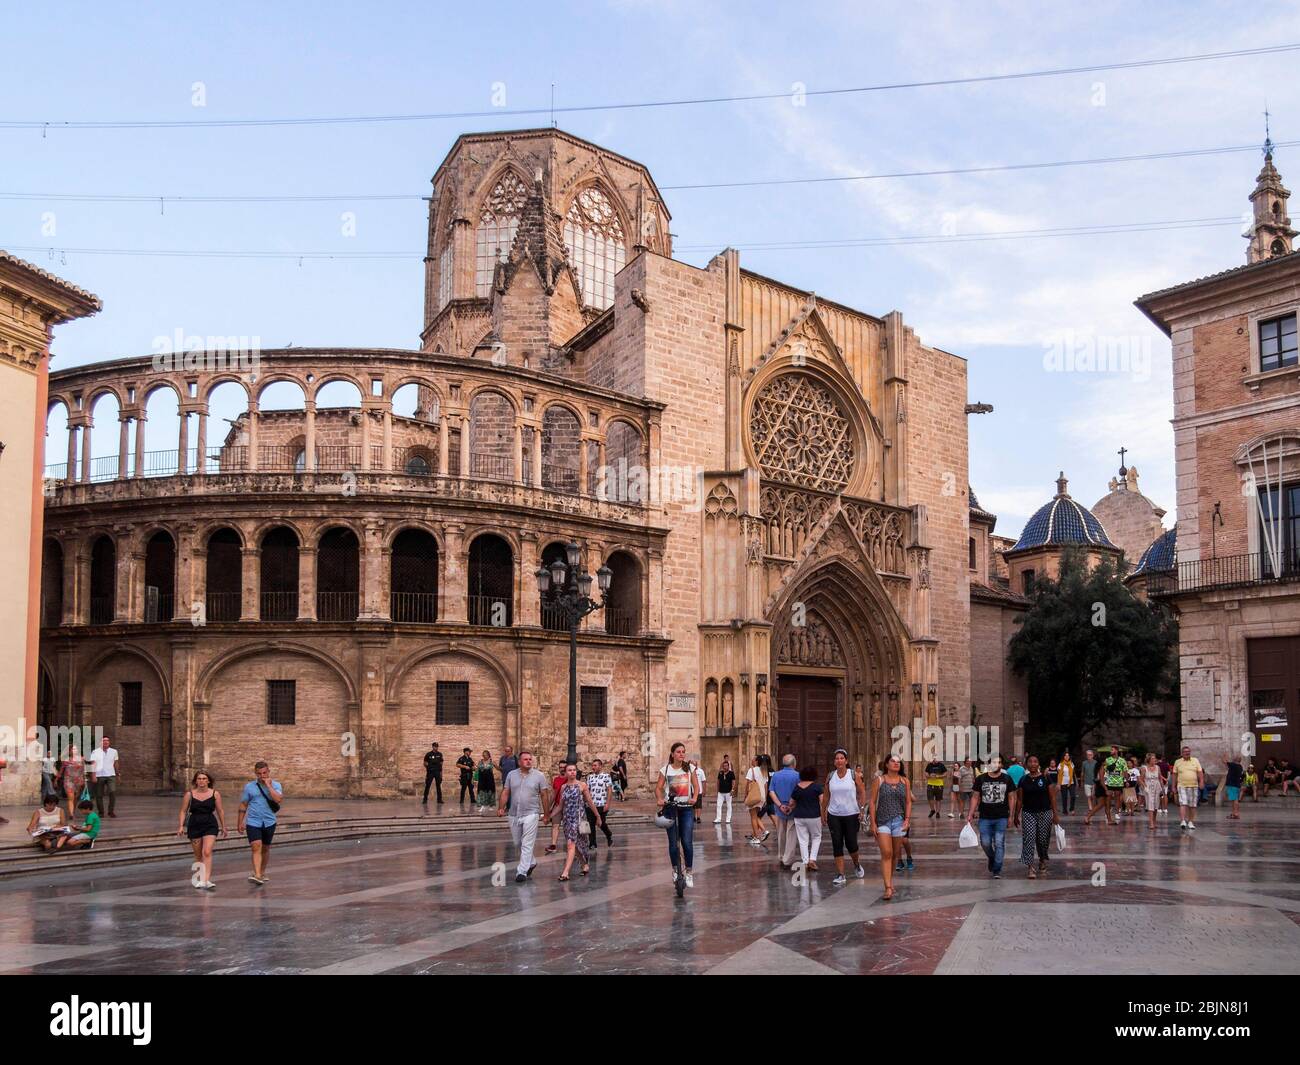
(807, 721)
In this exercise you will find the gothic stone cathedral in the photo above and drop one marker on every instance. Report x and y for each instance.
(777, 482)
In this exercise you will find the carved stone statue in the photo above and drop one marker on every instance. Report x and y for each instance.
(728, 710)
(875, 716)
(763, 707)
(858, 719)
(711, 709)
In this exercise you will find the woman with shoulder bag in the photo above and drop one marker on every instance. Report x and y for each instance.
(756, 800)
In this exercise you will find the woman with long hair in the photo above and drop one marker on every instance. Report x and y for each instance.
(1153, 788)
(675, 793)
(891, 814)
(756, 799)
(207, 818)
(573, 802)
(486, 782)
(74, 779)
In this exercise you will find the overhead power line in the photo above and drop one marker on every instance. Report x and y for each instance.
(165, 199)
(208, 123)
(1110, 228)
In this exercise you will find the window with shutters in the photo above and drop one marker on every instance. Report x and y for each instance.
(594, 707)
(281, 702)
(453, 702)
(132, 702)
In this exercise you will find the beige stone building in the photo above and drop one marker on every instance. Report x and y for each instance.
(1237, 454)
(773, 478)
(32, 303)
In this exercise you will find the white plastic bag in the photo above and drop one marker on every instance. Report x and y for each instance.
(969, 837)
(1060, 837)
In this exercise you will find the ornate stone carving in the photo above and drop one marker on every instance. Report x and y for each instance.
(764, 707)
(812, 644)
(858, 718)
(801, 435)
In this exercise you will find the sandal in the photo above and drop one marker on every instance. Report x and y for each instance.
(585, 869)
(889, 894)
(563, 879)
(550, 848)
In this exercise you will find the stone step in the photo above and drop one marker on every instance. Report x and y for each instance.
(20, 859)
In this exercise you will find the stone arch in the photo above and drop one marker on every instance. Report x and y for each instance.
(202, 692)
(214, 382)
(395, 679)
(332, 376)
(413, 523)
(130, 650)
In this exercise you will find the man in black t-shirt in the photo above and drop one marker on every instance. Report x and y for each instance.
(465, 763)
(991, 800)
(432, 772)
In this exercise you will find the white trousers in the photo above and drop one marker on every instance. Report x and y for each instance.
(787, 840)
(809, 832)
(724, 798)
(523, 830)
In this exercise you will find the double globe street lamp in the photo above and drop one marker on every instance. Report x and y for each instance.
(567, 588)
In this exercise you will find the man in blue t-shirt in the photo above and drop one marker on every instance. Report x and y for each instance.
(258, 804)
(781, 790)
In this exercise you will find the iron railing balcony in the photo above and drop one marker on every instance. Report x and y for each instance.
(224, 606)
(413, 606)
(1224, 572)
(337, 606)
(493, 610)
(279, 606)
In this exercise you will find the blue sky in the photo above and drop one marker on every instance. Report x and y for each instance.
(1001, 304)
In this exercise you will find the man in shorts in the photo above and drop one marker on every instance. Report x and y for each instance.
(258, 804)
(1190, 779)
(935, 774)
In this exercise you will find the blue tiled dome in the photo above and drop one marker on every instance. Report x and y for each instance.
(1160, 556)
(1062, 521)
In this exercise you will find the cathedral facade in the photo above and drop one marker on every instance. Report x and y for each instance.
(776, 483)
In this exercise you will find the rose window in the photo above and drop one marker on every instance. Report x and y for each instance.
(801, 435)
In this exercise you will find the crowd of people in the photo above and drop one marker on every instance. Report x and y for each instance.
(796, 803)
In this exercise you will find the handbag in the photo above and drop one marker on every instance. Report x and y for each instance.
(275, 806)
(753, 794)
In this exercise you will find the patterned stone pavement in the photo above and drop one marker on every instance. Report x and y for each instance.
(1222, 899)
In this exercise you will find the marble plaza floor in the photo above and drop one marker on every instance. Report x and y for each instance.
(1225, 899)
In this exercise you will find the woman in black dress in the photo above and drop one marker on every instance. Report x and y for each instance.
(207, 818)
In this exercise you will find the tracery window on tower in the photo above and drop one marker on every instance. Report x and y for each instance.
(597, 247)
(498, 222)
(445, 262)
(801, 435)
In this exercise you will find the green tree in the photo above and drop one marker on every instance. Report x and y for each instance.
(1091, 651)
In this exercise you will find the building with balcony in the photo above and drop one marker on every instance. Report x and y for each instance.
(334, 580)
(1235, 581)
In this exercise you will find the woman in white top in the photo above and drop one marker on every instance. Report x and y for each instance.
(756, 800)
(48, 816)
(842, 804)
(675, 793)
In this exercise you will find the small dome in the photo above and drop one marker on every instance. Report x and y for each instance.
(1063, 521)
(1160, 556)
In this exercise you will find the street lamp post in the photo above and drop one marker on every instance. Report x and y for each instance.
(568, 588)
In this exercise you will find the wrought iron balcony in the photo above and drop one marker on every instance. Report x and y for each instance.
(1225, 572)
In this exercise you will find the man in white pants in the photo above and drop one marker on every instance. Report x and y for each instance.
(527, 792)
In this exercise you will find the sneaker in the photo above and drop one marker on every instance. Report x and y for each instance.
(717, 820)
(520, 878)
(859, 872)
(1182, 824)
(674, 876)
(690, 880)
(997, 876)
(252, 879)
(1191, 825)
(901, 864)
(208, 885)
(952, 817)
(755, 842)
(259, 880)
(530, 869)
(840, 880)
(763, 837)
(1033, 873)
(911, 864)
